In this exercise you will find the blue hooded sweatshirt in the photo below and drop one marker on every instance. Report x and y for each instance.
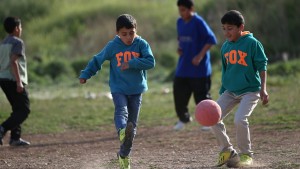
(132, 80)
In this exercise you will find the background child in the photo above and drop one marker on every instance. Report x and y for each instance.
(13, 78)
(130, 56)
(193, 70)
(244, 66)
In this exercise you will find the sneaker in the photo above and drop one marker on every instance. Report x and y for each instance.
(225, 156)
(19, 142)
(122, 135)
(1, 134)
(245, 160)
(126, 134)
(124, 162)
(180, 125)
(205, 128)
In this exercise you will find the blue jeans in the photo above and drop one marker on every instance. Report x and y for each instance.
(127, 109)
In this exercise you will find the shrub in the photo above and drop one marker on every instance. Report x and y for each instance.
(78, 65)
(58, 68)
(285, 68)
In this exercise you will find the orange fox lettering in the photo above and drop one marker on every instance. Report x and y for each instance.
(127, 55)
(232, 57)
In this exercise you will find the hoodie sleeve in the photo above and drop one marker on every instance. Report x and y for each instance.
(224, 64)
(146, 60)
(260, 59)
(95, 64)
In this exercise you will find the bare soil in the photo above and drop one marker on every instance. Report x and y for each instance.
(154, 148)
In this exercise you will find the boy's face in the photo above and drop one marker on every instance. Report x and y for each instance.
(127, 35)
(18, 31)
(185, 13)
(232, 32)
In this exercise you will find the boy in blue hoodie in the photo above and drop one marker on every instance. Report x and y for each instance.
(244, 74)
(130, 56)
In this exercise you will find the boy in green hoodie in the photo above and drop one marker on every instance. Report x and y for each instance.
(244, 74)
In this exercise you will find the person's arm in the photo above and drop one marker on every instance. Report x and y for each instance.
(145, 62)
(197, 59)
(16, 72)
(263, 91)
(94, 65)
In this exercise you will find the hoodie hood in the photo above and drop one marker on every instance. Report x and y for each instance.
(245, 34)
(119, 41)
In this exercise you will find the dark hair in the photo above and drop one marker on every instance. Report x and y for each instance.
(233, 17)
(127, 21)
(10, 23)
(186, 3)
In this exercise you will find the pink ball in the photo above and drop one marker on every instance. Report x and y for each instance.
(208, 113)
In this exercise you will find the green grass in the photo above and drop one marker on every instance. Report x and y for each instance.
(62, 107)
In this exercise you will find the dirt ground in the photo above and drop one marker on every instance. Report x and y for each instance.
(154, 148)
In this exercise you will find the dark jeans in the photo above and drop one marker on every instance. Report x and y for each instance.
(20, 108)
(183, 88)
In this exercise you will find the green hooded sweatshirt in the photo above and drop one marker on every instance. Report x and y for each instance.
(242, 61)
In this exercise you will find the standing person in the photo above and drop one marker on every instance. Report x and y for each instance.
(244, 74)
(130, 56)
(13, 78)
(193, 72)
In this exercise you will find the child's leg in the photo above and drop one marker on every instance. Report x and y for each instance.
(246, 107)
(134, 105)
(201, 88)
(121, 111)
(182, 93)
(127, 109)
(20, 106)
(226, 101)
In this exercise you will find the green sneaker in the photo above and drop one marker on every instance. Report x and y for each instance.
(224, 156)
(126, 133)
(124, 162)
(245, 160)
(122, 135)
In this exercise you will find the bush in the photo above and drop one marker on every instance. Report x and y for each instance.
(285, 68)
(58, 68)
(167, 60)
(79, 65)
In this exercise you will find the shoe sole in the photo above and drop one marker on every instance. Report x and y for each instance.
(233, 162)
(233, 155)
(128, 134)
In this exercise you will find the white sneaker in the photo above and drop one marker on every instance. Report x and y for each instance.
(179, 126)
(205, 128)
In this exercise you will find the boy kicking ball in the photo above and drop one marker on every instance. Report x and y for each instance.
(130, 57)
(244, 74)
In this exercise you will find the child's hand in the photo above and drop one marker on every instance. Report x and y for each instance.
(264, 97)
(196, 60)
(82, 81)
(179, 51)
(20, 88)
(124, 66)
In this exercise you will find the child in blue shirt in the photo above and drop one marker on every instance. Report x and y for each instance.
(193, 71)
(129, 56)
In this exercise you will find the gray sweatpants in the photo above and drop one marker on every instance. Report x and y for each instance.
(227, 102)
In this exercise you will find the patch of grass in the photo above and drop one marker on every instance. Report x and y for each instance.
(61, 107)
